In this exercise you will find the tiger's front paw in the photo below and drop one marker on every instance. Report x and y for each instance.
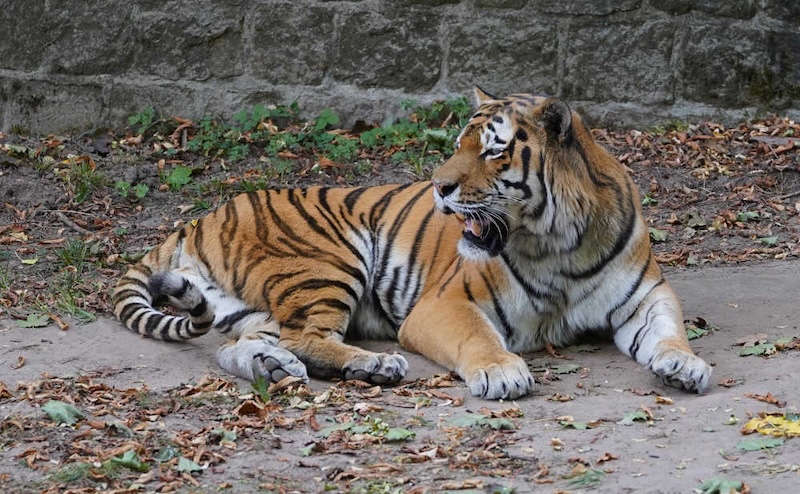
(376, 368)
(682, 370)
(507, 379)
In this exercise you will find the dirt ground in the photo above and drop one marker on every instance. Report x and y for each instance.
(684, 442)
(723, 207)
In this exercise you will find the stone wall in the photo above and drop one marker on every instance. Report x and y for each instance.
(75, 64)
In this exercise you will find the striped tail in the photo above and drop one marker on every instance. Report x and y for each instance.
(134, 299)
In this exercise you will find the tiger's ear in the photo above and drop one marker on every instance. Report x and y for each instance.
(557, 120)
(482, 96)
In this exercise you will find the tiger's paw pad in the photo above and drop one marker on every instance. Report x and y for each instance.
(376, 368)
(278, 363)
(682, 370)
(507, 380)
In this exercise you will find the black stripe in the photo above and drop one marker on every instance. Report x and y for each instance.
(297, 319)
(377, 209)
(130, 309)
(310, 220)
(498, 309)
(522, 184)
(199, 309)
(467, 291)
(412, 256)
(630, 291)
(450, 278)
(133, 281)
(341, 237)
(129, 292)
(635, 343)
(630, 316)
(316, 284)
(228, 321)
(623, 238)
(351, 198)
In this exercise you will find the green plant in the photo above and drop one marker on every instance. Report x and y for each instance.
(178, 177)
(73, 253)
(82, 179)
(200, 205)
(122, 187)
(5, 279)
(140, 191)
(325, 119)
(216, 139)
(260, 387)
(67, 297)
(70, 472)
(142, 120)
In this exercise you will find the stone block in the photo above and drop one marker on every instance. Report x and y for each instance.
(783, 10)
(394, 48)
(67, 37)
(500, 4)
(737, 9)
(22, 47)
(47, 106)
(503, 55)
(292, 43)
(620, 62)
(720, 63)
(194, 40)
(125, 99)
(584, 7)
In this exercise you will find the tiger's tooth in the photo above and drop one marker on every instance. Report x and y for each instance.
(475, 227)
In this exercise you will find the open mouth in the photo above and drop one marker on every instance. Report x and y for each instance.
(490, 236)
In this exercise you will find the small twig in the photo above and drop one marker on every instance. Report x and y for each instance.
(70, 211)
(71, 224)
(787, 196)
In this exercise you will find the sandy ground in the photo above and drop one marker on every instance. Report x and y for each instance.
(683, 446)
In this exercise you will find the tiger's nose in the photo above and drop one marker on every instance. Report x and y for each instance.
(444, 189)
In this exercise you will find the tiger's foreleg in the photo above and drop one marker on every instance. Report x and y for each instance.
(256, 351)
(319, 345)
(454, 333)
(655, 337)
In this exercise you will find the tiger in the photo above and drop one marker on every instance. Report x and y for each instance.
(528, 236)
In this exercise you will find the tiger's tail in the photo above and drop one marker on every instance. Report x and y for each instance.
(150, 282)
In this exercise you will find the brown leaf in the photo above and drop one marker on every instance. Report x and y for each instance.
(663, 400)
(730, 382)
(607, 457)
(752, 340)
(4, 392)
(250, 407)
(20, 362)
(284, 383)
(767, 398)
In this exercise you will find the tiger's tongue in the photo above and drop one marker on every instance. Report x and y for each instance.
(473, 226)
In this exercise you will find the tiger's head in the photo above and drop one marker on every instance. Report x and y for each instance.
(495, 178)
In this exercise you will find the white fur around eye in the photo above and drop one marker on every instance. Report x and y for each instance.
(496, 137)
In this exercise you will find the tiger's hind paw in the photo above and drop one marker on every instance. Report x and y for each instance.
(251, 358)
(681, 369)
(278, 363)
(376, 368)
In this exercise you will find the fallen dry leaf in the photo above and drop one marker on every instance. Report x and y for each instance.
(730, 382)
(607, 457)
(767, 398)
